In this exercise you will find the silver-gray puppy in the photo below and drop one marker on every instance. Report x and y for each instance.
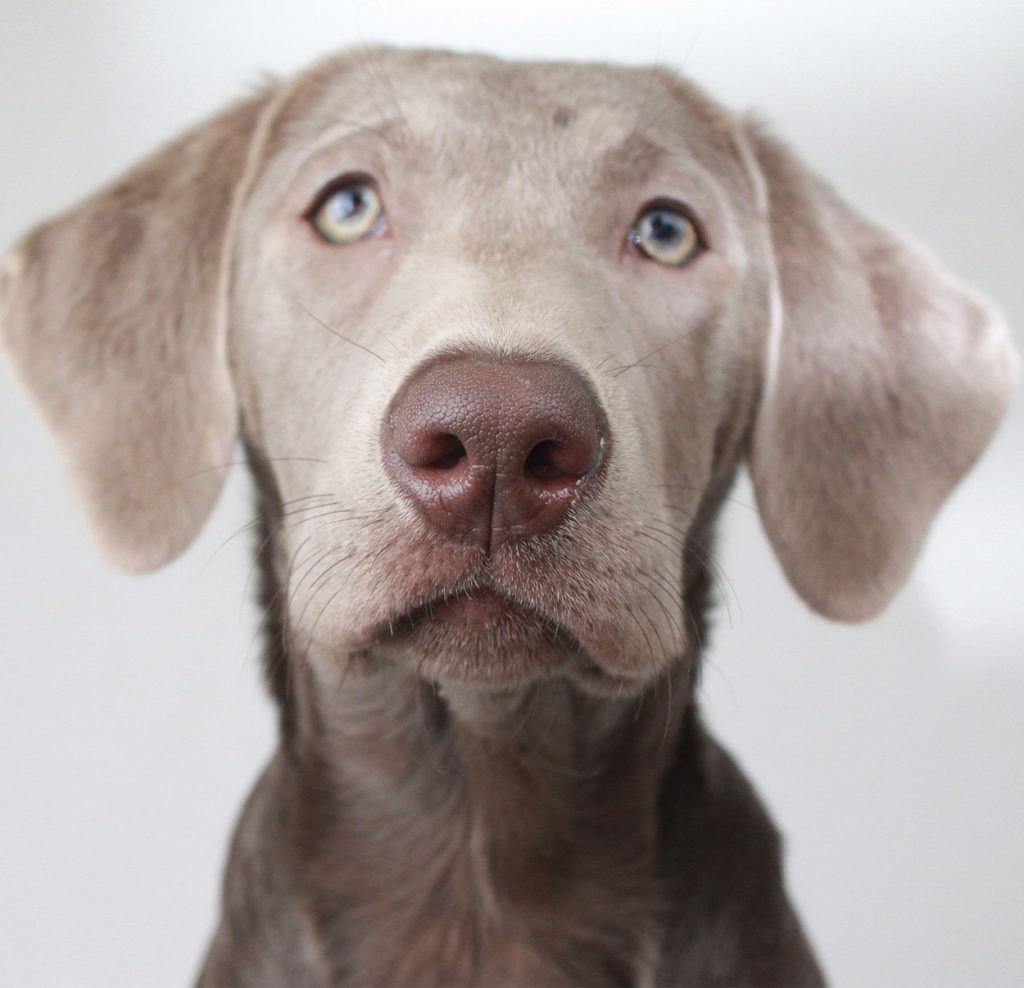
(496, 338)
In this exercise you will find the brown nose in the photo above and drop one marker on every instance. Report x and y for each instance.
(491, 450)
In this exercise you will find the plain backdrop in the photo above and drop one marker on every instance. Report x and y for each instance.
(131, 718)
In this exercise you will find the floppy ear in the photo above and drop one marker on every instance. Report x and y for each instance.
(885, 380)
(113, 317)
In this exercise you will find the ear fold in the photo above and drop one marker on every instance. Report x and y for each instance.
(113, 316)
(885, 381)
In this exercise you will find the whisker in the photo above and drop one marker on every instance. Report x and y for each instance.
(665, 653)
(275, 529)
(280, 592)
(674, 619)
(312, 631)
(309, 566)
(242, 463)
(641, 361)
(700, 491)
(643, 533)
(650, 644)
(653, 353)
(249, 525)
(318, 580)
(334, 332)
(352, 514)
(725, 587)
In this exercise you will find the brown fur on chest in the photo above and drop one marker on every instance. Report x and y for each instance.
(491, 868)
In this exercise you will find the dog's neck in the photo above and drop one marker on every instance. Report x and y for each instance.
(522, 763)
(465, 825)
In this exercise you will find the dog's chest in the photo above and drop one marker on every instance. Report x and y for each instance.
(447, 926)
(442, 898)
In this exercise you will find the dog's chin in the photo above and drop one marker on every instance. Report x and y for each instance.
(483, 639)
(479, 638)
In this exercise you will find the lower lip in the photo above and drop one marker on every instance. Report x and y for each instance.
(478, 607)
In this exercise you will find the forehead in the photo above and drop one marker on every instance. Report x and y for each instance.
(466, 114)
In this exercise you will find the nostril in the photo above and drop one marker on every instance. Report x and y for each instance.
(551, 459)
(542, 462)
(441, 451)
(448, 452)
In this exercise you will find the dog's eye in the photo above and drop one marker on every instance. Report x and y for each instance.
(667, 235)
(347, 212)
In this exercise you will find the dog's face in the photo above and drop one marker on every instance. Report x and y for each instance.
(495, 226)
(499, 334)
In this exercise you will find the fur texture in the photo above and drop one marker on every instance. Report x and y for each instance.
(533, 800)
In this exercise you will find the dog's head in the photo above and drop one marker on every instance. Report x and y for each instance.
(498, 335)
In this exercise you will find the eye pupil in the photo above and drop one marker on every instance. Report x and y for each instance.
(664, 228)
(348, 213)
(345, 204)
(666, 235)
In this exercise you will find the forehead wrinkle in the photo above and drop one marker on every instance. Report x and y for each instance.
(635, 155)
(385, 132)
(344, 132)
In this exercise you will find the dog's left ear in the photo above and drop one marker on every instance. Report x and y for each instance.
(113, 317)
(885, 379)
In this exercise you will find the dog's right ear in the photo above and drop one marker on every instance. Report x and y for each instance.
(113, 317)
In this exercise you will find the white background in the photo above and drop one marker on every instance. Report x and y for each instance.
(131, 720)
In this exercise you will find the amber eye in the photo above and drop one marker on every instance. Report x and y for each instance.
(347, 213)
(666, 235)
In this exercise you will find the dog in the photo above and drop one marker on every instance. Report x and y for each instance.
(496, 338)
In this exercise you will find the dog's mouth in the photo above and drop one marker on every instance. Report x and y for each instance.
(476, 607)
(478, 633)
(532, 613)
